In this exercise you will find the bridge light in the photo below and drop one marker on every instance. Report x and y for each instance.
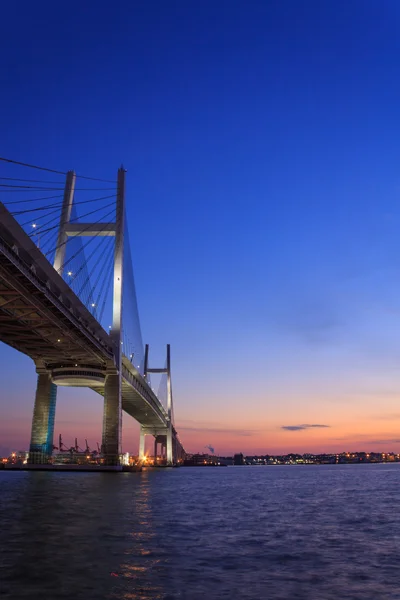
(69, 273)
(58, 340)
(93, 304)
(34, 225)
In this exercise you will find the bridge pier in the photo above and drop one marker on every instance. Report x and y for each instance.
(41, 446)
(170, 452)
(142, 437)
(162, 436)
(160, 441)
(112, 420)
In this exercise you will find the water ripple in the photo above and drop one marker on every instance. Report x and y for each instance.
(276, 533)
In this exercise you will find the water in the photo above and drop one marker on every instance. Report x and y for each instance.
(271, 533)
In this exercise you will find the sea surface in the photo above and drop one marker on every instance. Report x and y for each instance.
(305, 532)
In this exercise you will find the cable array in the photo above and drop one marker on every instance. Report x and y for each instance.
(132, 343)
(36, 202)
(162, 391)
(45, 169)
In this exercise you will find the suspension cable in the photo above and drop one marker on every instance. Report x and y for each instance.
(107, 280)
(16, 162)
(101, 271)
(33, 199)
(75, 218)
(91, 239)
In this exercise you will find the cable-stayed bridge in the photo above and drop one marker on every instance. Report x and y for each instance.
(65, 272)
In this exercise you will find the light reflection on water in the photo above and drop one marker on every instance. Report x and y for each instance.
(276, 533)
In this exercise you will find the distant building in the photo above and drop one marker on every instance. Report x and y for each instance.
(226, 461)
(124, 458)
(201, 460)
(238, 459)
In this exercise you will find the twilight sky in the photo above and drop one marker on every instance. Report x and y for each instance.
(261, 140)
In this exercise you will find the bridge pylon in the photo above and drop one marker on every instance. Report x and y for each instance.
(41, 446)
(112, 415)
(44, 412)
(45, 402)
(165, 435)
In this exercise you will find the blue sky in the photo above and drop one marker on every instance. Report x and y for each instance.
(261, 143)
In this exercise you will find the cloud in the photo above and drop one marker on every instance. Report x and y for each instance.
(386, 417)
(366, 439)
(388, 441)
(302, 427)
(240, 432)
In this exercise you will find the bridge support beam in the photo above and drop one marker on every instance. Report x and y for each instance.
(112, 420)
(41, 446)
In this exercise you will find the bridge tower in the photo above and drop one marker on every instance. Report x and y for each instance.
(112, 415)
(41, 445)
(44, 412)
(164, 435)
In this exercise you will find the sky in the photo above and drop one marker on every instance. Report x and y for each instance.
(261, 142)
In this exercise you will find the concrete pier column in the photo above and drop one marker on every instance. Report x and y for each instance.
(41, 446)
(170, 454)
(141, 443)
(155, 450)
(112, 420)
